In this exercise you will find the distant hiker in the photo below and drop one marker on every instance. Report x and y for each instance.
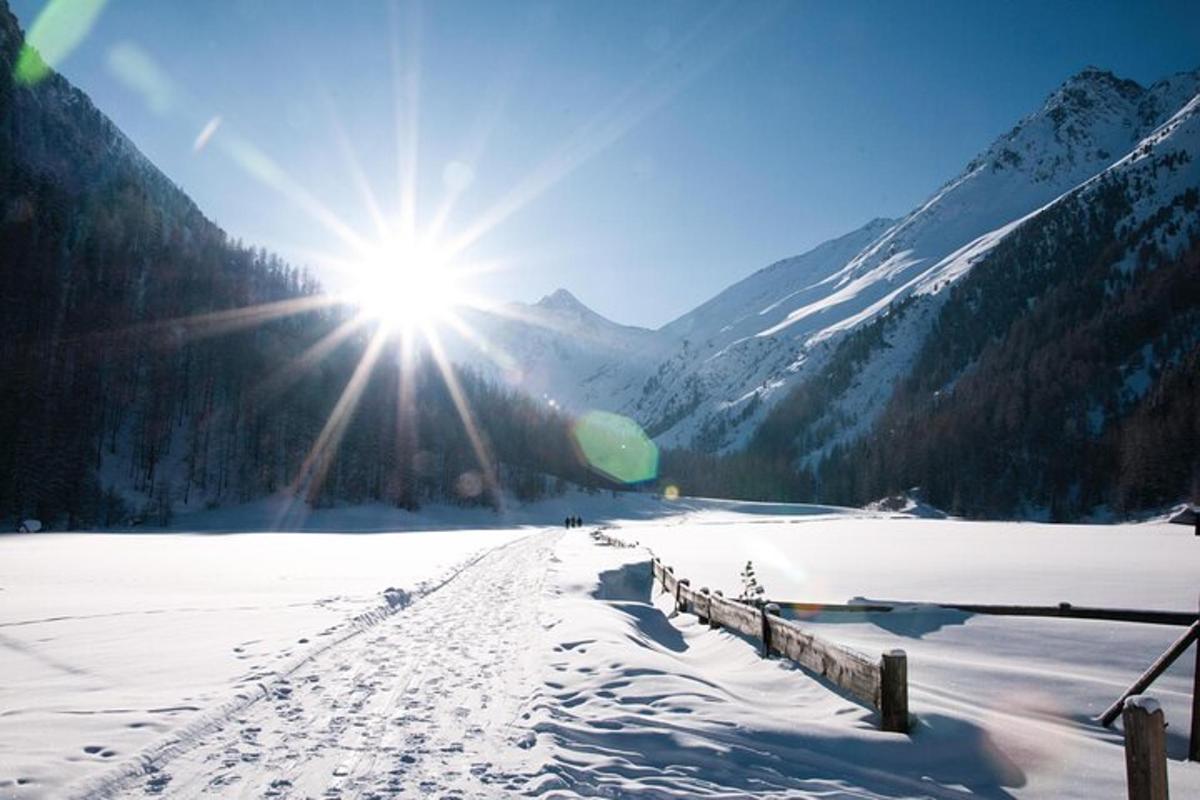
(578, 521)
(567, 522)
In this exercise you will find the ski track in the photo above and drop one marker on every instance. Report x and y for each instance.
(396, 710)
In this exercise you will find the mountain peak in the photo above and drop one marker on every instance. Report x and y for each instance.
(565, 308)
(1092, 78)
(562, 300)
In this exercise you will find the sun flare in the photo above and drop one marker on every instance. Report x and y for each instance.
(407, 284)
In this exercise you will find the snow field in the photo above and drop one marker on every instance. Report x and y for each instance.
(1027, 688)
(639, 703)
(542, 664)
(428, 701)
(109, 643)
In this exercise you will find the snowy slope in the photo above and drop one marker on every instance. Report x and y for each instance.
(1154, 173)
(560, 350)
(764, 299)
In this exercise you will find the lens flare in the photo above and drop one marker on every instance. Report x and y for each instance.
(206, 133)
(57, 31)
(616, 447)
(138, 71)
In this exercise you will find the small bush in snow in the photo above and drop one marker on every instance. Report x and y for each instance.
(752, 592)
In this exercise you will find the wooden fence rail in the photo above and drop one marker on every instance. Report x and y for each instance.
(1149, 616)
(1148, 677)
(881, 684)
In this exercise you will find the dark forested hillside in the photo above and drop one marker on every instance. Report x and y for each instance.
(132, 386)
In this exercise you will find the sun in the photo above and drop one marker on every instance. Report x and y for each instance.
(407, 283)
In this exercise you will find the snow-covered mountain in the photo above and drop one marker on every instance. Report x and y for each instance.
(1093, 120)
(1152, 178)
(708, 378)
(559, 350)
(1058, 375)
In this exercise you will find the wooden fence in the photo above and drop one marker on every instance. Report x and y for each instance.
(881, 684)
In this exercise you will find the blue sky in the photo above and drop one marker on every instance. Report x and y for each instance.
(660, 150)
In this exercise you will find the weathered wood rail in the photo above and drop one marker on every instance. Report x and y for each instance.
(882, 684)
(1148, 616)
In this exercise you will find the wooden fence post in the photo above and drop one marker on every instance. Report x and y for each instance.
(765, 611)
(893, 691)
(1145, 748)
(1194, 740)
(704, 607)
(680, 601)
(712, 623)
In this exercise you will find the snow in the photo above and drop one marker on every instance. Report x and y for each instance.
(636, 703)
(530, 660)
(1145, 702)
(1028, 687)
(109, 641)
(557, 349)
(830, 558)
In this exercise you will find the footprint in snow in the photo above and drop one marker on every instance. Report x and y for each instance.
(158, 783)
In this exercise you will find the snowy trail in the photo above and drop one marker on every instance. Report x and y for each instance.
(417, 704)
